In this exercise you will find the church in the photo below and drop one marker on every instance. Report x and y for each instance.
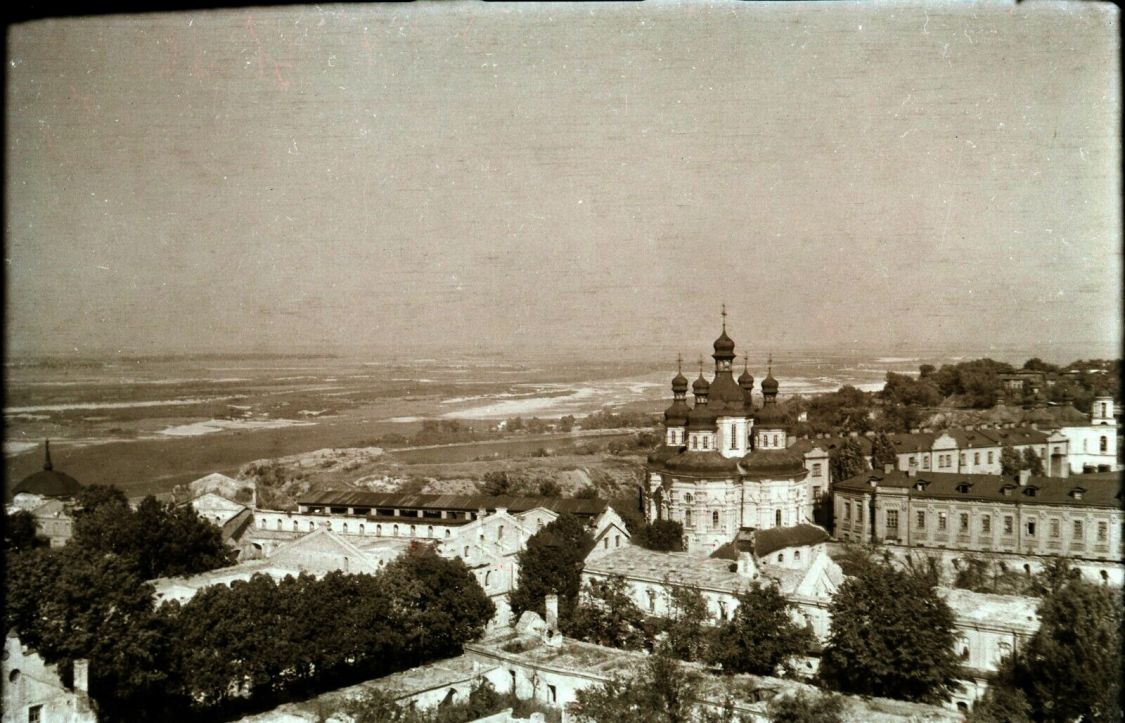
(723, 464)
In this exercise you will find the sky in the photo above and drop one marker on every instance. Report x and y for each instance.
(588, 179)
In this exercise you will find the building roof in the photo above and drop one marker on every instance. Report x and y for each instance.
(770, 415)
(696, 461)
(681, 568)
(462, 503)
(677, 414)
(772, 464)
(765, 542)
(48, 482)
(991, 488)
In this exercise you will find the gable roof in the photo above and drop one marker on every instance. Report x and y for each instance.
(773, 539)
(990, 488)
(465, 503)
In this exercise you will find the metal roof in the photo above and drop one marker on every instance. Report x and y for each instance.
(472, 503)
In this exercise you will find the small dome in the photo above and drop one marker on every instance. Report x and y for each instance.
(677, 414)
(724, 346)
(746, 380)
(701, 385)
(679, 383)
(770, 415)
(701, 417)
(47, 482)
(769, 385)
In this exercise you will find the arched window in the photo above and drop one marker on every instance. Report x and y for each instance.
(796, 554)
(430, 531)
(447, 534)
(688, 498)
(617, 541)
(262, 523)
(605, 543)
(466, 555)
(777, 518)
(378, 530)
(394, 531)
(1103, 444)
(361, 528)
(734, 436)
(277, 524)
(488, 578)
(715, 519)
(295, 523)
(413, 531)
(344, 528)
(687, 518)
(328, 524)
(312, 525)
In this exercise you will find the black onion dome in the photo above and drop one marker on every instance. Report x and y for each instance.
(746, 380)
(701, 385)
(677, 414)
(709, 461)
(679, 383)
(701, 417)
(773, 464)
(769, 384)
(724, 346)
(726, 398)
(770, 415)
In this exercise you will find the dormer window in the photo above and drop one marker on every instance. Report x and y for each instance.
(1031, 491)
(965, 487)
(1077, 493)
(1006, 490)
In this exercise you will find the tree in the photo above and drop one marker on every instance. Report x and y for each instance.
(1032, 462)
(20, 532)
(661, 535)
(607, 615)
(552, 563)
(846, 461)
(883, 452)
(891, 636)
(92, 497)
(159, 539)
(802, 708)
(662, 692)
(686, 635)
(763, 636)
(549, 488)
(1071, 667)
(1010, 462)
(497, 483)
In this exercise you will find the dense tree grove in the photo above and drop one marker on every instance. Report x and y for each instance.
(158, 539)
(20, 532)
(228, 648)
(891, 636)
(1071, 668)
(377, 706)
(802, 708)
(883, 452)
(660, 535)
(663, 691)
(762, 637)
(552, 563)
(606, 615)
(847, 460)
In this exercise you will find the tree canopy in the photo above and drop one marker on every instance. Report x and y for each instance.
(762, 637)
(606, 615)
(883, 451)
(660, 535)
(847, 460)
(891, 636)
(1071, 668)
(552, 562)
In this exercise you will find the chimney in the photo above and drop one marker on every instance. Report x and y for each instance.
(912, 472)
(746, 565)
(481, 512)
(1025, 475)
(82, 676)
(551, 603)
(501, 510)
(888, 467)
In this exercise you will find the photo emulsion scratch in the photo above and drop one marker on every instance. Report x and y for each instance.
(698, 360)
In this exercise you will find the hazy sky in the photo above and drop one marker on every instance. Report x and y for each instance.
(436, 179)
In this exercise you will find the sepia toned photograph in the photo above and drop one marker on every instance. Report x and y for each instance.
(686, 361)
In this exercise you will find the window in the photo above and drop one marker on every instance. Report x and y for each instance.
(499, 533)
(1103, 532)
(926, 462)
(964, 522)
(773, 440)
(277, 524)
(777, 518)
(816, 469)
(733, 436)
(913, 461)
(986, 524)
(396, 531)
(892, 518)
(466, 555)
(413, 530)
(705, 440)
(295, 523)
(617, 541)
(605, 543)
(687, 518)
(1008, 524)
(1078, 531)
(34, 714)
(976, 458)
(847, 510)
(941, 521)
(796, 554)
(694, 442)
(715, 519)
(859, 512)
(552, 694)
(1031, 528)
(1054, 527)
(781, 557)
(962, 459)
(921, 520)
(1103, 444)
(990, 457)
(1105, 412)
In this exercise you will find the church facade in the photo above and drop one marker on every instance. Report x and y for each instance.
(724, 464)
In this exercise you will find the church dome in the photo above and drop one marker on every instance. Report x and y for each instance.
(677, 414)
(724, 346)
(701, 417)
(679, 383)
(746, 380)
(770, 415)
(769, 384)
(47, 482)
(773, 464)
(701, 385)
